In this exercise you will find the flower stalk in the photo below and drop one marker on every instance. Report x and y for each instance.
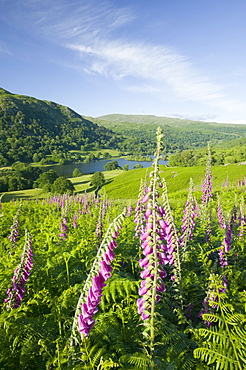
(16, 291)
(100, 272)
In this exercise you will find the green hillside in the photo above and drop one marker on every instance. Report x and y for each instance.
(29, 126)
(126, 185)
(179, 134)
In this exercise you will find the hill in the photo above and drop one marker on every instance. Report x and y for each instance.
(225, 178)
(179, 134)
(29, 125)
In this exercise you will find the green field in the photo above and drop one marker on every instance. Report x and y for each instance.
(125, 185)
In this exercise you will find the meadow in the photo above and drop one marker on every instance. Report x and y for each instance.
(153, 282)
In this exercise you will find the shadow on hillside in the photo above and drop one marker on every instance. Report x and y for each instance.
(80, 182)
(87, 190)
(13, 197)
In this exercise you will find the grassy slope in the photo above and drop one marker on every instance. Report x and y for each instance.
(81, 185)
(125, 185)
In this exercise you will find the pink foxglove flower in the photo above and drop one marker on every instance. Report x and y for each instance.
(14, 234)
(188, 222)
(151, 229)
(207, 184)
(16, 291)
(100, 272)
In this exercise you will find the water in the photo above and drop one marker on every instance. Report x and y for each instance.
(95, 166)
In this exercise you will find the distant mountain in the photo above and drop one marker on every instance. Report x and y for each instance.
(179, 134)
(29, 125)
(173, 122)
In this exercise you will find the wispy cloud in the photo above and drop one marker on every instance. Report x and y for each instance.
(76, 19)
(162, 68)
(3, 48)
(92, 29)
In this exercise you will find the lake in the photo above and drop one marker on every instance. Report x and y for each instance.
(96, 166)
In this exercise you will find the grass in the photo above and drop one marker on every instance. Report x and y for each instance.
(124, 185)
(81, 184)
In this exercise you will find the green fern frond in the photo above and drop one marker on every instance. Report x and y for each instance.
(225, 341)
(141, 361)
(211, 317)
(217, 355)
(118, 289)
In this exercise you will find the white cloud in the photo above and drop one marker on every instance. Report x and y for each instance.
(3, 48)
(160, 67)
(91, 29)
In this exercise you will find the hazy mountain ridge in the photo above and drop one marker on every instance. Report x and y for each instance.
(171, 121)
(179, 134)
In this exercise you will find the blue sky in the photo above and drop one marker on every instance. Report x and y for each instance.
(180, 58)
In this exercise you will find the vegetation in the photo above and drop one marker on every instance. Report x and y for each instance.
(44, 132)
(31, 129)
(179, 134)
(97, 179)
(89, 284)
(220, 155)
(111, 166)
(19, 176)
(138, 165)
(76, 172)
(61, 185)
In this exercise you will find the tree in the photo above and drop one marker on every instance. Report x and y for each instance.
(36, 157)
(77, 172)
(125, 167)
(62, 186)
(3, 161)
(16, 183)
(46, 179)
(138, 165)
(98, 179)
(113, 165)
(18, 165)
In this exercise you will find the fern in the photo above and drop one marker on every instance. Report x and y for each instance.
(118, 289)
(224, 344)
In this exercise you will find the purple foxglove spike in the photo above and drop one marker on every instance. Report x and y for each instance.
(115, 234)
(143, 262)
(112, 245)
(108, 256)
(143, 291)
(161, 288)
(145, 198)
(145, 316)
(149, 225)
(148, 213)
(98, 283)
(92, 302)
(84, 310)
(89, 321)
(148, 250)
(83, 327)
(145, 273)
(163, 273)
(145, 235)
(163, 248)
(105, 270)
(162, 224)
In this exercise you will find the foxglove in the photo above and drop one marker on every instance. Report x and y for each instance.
(100, 272)
(16, 291)
(152, 234)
